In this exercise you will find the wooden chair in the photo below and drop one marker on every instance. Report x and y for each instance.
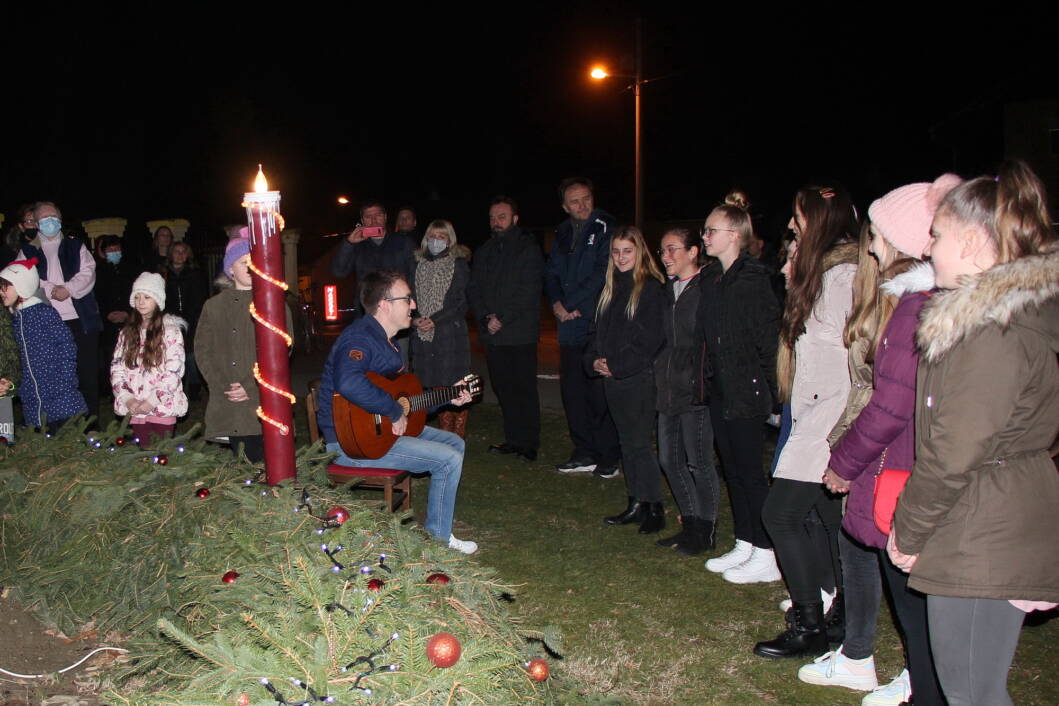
(396, 485)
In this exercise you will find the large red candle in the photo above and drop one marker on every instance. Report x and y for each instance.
(270, 332)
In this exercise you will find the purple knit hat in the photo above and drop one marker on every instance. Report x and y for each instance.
(904, 215)
(237, 247)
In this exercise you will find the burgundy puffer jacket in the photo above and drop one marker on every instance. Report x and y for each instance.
(887, 423)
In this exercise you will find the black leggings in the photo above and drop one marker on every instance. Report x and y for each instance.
(806, 568)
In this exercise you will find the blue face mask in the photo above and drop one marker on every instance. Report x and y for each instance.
(114, 257)
(50, 226)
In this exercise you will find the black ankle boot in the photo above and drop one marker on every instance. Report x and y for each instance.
(681, 536)
(835, 620)
(655, 520)
(700, 537)
(636, 512)
(807, 637)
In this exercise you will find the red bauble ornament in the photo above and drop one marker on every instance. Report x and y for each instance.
(443, 650)
(375, 584)
(439, 578)
(538, 669)
(230, 576)
(243, 700)
(337, 514)
(163, 460)
(120, 441)
(202, 493)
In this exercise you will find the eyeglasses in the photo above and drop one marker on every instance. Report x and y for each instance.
(670, 250)
(408, 298)
(710, 231)
(28, 221)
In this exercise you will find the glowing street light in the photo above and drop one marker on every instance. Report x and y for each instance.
(599, 73)
(343, 200)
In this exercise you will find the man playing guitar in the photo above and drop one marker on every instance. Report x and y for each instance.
(366, 346)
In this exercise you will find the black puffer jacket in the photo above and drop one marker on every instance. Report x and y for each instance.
(740, 322)
(629, 345)
(506, 280)
(680, 367)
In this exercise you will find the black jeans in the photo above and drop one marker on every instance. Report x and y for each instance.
(632, 404)
(513, 374)
(740, 445)
(863, 584)
(685, 452)
(806, 568)
(87, 366)
(591, 427)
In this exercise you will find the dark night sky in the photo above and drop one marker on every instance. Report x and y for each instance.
(445, 110)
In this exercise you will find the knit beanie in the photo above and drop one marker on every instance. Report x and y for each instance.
(152, 285)
(237, 247)
(22, 274)
(904, 215)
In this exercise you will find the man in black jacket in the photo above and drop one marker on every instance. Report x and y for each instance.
(363, 252)
(505, 294)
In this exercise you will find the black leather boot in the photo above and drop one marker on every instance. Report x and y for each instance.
(701, 536)
(835, 620)
(655, 521)
(636, 512)
(681, 536)
(807, 637)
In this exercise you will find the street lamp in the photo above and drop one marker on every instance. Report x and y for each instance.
(343, 200)
(599, 73)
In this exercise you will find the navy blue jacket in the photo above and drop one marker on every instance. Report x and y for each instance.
(575, 272)
(70, 264)
(360, 349)
(49, 365)
(395, 252)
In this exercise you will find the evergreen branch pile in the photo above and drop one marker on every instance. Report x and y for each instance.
(96, 535)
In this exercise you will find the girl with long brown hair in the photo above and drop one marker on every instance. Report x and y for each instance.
(628, 334)
(813, 375)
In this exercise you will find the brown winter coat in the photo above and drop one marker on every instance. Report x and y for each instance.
(225, 352)
(982, 506)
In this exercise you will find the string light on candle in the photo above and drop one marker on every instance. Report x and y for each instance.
(268, 278)
(269, 386)
(270, 326)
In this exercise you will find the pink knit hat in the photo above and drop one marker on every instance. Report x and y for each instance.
(904, 215)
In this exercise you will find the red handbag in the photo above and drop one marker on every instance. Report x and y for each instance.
(889, 482)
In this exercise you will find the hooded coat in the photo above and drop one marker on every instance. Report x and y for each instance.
(161, 386)
(886, 424)
(980, 508)
(49, 364)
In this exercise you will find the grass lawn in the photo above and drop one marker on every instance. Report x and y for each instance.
(640, 623)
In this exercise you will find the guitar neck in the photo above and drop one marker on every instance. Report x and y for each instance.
(432, 398)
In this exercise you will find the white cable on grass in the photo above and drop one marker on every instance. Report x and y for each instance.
(72, 666)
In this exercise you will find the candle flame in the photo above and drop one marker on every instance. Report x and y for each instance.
(260, 183)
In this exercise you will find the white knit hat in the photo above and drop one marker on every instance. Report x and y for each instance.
(152, 285)
(22, 274)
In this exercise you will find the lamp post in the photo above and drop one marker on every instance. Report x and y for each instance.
(599, 73)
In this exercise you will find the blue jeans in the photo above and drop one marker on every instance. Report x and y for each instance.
(439, 453)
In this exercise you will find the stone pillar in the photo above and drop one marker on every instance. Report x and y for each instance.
(179, 226)
(96, 227)
(290, 257)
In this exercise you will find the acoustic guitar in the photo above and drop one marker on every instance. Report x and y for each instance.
(362, 434)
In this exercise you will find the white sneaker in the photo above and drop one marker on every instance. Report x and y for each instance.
(827, 598)
(761, 567)
(836, 669)
(893, 694)
(737, 556)
(462, 545)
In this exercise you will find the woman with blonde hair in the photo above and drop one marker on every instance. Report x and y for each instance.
(977, 521)
(441, 348)
(740, 322)
(628, 333)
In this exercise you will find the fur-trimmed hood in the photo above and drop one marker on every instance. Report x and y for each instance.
(456, 251)
(846, 253)
(995, 296)
(918, 278)
(174, 320)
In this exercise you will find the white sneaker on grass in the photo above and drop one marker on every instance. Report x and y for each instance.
(761, 567)
(465, 546)
(893, 694)
(741, 552)
(836, 669)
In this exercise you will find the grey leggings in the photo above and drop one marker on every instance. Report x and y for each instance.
(973, 641)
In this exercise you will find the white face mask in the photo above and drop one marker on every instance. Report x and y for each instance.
(437, 246)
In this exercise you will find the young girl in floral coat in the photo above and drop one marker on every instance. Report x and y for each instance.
(148, 363)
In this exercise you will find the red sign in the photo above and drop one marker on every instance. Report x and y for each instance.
(330, 302)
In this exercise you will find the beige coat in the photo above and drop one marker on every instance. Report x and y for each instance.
(982, 506)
